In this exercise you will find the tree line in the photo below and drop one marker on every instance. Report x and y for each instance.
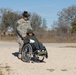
(62, 30)
(8, 18)
(66, 19)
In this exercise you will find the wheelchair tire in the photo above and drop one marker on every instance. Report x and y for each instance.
(26, 53)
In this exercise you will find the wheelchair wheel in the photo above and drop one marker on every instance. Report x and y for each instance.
(26, 53)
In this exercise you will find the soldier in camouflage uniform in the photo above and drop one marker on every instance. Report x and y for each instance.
(22, 26)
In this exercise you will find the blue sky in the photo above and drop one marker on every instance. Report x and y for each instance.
(48, 9)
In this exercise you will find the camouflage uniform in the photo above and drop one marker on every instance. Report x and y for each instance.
(22, 27)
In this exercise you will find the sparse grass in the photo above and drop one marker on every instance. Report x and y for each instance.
(63, 69)
(4, 70)
(51, 70)
(68, 47)
(1, 73)
(8, 38)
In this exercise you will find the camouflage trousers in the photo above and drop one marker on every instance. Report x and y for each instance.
(20, 42)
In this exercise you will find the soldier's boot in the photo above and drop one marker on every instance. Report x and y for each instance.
(20, 54)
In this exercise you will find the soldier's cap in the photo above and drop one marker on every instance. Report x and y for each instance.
(25, 14)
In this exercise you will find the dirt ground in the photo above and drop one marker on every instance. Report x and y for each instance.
(61, 61)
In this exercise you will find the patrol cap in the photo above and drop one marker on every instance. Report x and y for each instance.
(25, 14)
(30, 31)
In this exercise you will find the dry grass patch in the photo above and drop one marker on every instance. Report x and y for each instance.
(4, 70)
(68, 47)
(63, 69)
(51, 70)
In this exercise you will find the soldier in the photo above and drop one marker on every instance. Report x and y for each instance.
(22, 26)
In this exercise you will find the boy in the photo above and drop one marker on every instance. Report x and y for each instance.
(30, 38)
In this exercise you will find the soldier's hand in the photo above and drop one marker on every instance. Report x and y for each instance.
(23, 35)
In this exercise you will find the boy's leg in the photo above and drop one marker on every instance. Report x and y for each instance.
(36, 45)
(41, 46)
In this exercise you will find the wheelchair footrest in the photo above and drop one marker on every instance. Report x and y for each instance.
(42, 53)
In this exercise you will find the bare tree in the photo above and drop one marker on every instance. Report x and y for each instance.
(8, 18)
(74, 26)
(44, 24)
(36, 21)
(65, 18)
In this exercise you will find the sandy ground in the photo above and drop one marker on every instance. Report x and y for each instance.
(61, 61)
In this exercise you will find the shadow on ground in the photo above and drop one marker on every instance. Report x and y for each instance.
(15, 54)
(32, 59)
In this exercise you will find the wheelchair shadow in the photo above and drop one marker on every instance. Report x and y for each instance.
(32, 59)
(15, 54)
(37, 61)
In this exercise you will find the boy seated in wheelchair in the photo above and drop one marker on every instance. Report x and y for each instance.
(31, 38)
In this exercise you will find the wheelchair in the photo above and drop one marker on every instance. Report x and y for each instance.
(30, 53)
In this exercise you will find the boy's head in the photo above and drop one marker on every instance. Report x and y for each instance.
(30, 33)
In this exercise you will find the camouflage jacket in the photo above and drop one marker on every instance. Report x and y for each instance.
(23, 26)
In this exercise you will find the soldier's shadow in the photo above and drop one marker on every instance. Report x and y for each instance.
(15, 54)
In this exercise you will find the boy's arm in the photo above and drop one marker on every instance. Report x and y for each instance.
(26, 39)
(36, 39)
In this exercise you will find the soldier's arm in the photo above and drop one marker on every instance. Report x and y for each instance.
(19, 29)
(26, 39)
(29, 26)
